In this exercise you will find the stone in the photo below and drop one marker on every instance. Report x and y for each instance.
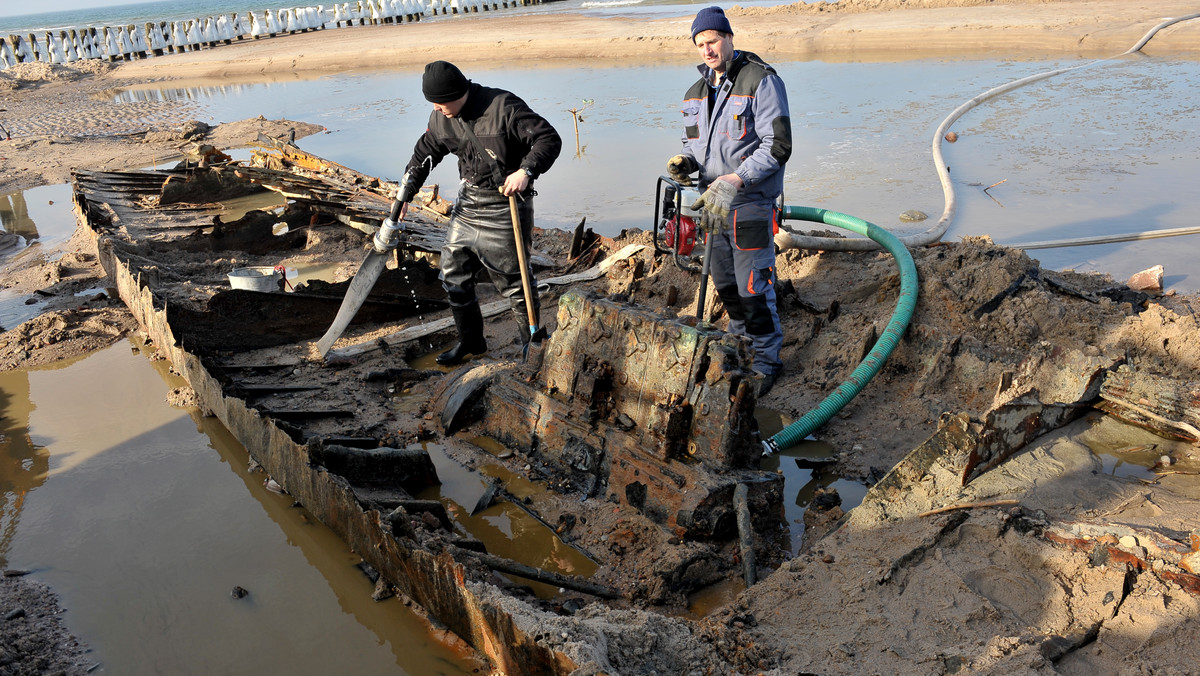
(1149, 280)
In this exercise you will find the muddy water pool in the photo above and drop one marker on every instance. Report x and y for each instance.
(144, 518)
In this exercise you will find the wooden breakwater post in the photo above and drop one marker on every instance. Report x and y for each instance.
(159, 38)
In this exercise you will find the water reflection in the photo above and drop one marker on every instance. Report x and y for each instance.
(1127, 451)
(15, 220)
(201, 93)
(36, 215)
(32, 223)
(23, 464)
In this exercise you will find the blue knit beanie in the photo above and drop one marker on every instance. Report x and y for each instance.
(710, 19)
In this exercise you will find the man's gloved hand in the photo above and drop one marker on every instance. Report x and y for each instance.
(681, 167)
(710, 223)
(714, 206)
(386, 239)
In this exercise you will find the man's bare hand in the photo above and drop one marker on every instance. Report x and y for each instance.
(516, 182)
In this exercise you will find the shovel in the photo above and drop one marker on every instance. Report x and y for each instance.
(360, 288)
(534, 336)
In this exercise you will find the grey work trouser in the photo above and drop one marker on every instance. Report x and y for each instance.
(743, 272)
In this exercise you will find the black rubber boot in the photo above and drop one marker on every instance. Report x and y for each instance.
(468, 319)
(521, 317)
(767, 384)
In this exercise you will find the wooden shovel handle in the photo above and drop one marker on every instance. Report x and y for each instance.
(520, 243)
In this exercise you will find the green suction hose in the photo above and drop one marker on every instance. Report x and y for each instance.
(905, 304)
(797, 431)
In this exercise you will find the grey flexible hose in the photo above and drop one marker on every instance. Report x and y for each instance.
(790, 240)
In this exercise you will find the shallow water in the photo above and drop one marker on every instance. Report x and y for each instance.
(503, 527)
(144, 517)
(1111, 148)
(31, 222)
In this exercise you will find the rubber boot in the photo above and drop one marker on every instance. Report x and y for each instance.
(767, 384)
(521, 317)
(468, 319)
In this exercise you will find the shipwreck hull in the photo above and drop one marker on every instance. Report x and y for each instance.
(649, 414)
(435, 581)
(294, 444)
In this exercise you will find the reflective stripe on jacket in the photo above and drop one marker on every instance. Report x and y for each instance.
(749, 131)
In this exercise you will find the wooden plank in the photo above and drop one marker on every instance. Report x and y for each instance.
(489, 310)
(1166, 406)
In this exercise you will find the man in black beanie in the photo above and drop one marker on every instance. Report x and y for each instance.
(502, 146)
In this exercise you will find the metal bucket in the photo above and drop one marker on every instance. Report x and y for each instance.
(261, 278)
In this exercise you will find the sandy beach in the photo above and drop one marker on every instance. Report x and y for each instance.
(851, 29)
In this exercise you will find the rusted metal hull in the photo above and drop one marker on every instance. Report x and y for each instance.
(436, 582)
(647, 411)
(295, 455)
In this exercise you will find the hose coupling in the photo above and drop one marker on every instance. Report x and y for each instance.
(386, 239)
(769, 447)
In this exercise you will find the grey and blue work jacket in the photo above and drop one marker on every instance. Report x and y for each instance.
(747, 130)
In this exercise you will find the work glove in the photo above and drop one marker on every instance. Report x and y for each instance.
(714, 206)
(386, 237)
(710, 223)
(681, 167)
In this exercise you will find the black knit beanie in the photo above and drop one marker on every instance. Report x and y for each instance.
(443, 82)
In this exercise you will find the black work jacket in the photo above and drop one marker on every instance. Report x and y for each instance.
(506, 127)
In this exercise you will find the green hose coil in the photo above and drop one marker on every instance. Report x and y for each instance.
(897, 325)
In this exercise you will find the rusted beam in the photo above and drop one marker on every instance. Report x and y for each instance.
(745, 534)
(511, 567)
(1141, 549)
(1166, 406)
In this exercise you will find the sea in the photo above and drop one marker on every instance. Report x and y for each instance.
(172, 10)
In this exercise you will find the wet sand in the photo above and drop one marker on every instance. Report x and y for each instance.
(851, 29)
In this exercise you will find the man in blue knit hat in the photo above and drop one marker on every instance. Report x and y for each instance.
(738, 136)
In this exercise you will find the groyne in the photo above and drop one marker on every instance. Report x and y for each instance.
(156, 38)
